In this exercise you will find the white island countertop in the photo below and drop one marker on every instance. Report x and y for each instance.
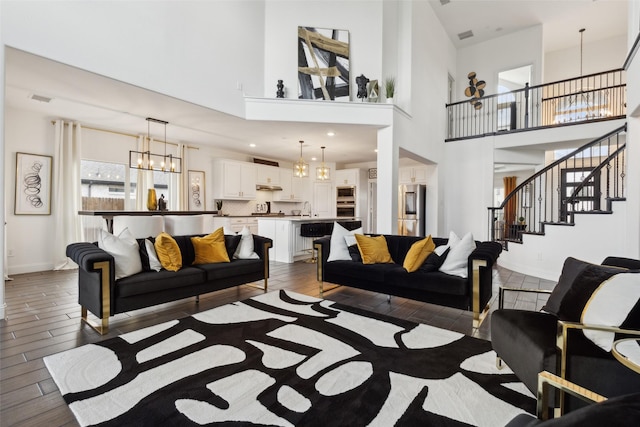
(298, 218)
(285, 231)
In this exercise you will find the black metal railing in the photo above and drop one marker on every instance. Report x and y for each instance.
(599, 96)
(585, 180)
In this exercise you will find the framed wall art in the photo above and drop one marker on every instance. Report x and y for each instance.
(323, 64)
(33, 184)
(196, 191)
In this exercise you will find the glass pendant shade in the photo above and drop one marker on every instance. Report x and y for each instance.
(323, 173)
(300, 168)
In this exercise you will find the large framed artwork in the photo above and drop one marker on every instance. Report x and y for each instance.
(196, 191)
(33, 184)
(323, 64)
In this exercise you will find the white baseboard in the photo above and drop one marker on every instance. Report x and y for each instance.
(29, 268)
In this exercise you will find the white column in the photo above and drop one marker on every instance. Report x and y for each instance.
(2, 162)
(387, 207)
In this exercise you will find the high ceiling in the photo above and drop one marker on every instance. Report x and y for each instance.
(108, 104)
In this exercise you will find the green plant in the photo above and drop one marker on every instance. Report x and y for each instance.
(521, 219)
(390, 86)
(219, 204)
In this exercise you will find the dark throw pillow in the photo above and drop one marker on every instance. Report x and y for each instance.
(433, 262)
(231, 242)
(355, 253)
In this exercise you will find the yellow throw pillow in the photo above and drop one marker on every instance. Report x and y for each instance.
(168, 252)
(418, 253)
(210, 249)
(374, 250)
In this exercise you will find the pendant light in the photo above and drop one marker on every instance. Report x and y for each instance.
(322, 171)
(150, 161)
(300, 168)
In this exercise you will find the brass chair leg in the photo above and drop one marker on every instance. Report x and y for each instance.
(499, 364)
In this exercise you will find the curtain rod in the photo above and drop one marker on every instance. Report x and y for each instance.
(53, 122)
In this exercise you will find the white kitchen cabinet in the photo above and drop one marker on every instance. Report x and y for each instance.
(292, 187)
(323, 200)
(234, 180)
(238, 223)
(268, 175)
(347, 177)
(412, 175)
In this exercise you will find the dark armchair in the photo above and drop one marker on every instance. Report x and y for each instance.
(552, 340)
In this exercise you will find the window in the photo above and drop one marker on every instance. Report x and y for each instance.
(587, 199)
(102, 185)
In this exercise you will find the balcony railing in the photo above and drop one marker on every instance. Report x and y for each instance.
(600, 96)
(585, 181)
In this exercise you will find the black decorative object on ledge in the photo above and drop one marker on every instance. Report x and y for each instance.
(362, 81)
(280, 92)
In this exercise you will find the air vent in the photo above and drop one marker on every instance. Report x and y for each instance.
(465, 35)
(40, 98)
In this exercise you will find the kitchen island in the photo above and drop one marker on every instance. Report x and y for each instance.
(289, 245)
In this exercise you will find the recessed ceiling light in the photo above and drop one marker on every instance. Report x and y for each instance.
(331, 134)
(314, 159)
(252, 145)
(375, 151)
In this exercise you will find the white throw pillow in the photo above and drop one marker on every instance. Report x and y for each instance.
(610, 305)
(457, 260)
(453, 240)
(154, 262)
(245, 248)
(338, 249)
(125, 251)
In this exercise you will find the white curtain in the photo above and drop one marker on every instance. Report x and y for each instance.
(67, 197)
(145, 177)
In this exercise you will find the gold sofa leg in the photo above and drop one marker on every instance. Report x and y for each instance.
(479, 314)
(101, 327)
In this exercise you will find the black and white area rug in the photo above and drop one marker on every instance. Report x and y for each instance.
(285, 359)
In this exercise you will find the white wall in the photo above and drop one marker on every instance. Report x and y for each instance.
(28, 236)
(591, 239)
(469, 187)
(2, 175)
(161, 46)
(282, 18)
(487, 59)
(602, 55)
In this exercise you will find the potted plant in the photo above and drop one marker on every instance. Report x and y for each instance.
(521, 220)
(390, 88)
(219, 206)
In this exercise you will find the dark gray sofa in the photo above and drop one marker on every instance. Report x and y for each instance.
(472, 293)
(102, 295)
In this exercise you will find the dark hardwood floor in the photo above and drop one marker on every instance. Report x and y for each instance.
(43, 318)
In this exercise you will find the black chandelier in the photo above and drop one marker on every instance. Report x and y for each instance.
(157, 162)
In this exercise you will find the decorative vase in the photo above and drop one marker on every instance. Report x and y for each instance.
(389, 100)
(280, 92)
(152, 202)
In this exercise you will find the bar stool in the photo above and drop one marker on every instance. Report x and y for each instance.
(314, 229)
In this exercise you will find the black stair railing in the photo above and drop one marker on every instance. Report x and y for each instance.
(586, 180)
(593, 97)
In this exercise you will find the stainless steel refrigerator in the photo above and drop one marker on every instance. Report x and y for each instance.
(411, 210)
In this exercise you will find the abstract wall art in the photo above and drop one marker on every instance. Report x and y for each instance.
(33, 184)
(196, 191)
(323, 64)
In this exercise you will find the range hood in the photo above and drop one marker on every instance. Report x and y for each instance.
(262, 187)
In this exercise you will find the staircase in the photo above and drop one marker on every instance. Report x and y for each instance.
(587, 181)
